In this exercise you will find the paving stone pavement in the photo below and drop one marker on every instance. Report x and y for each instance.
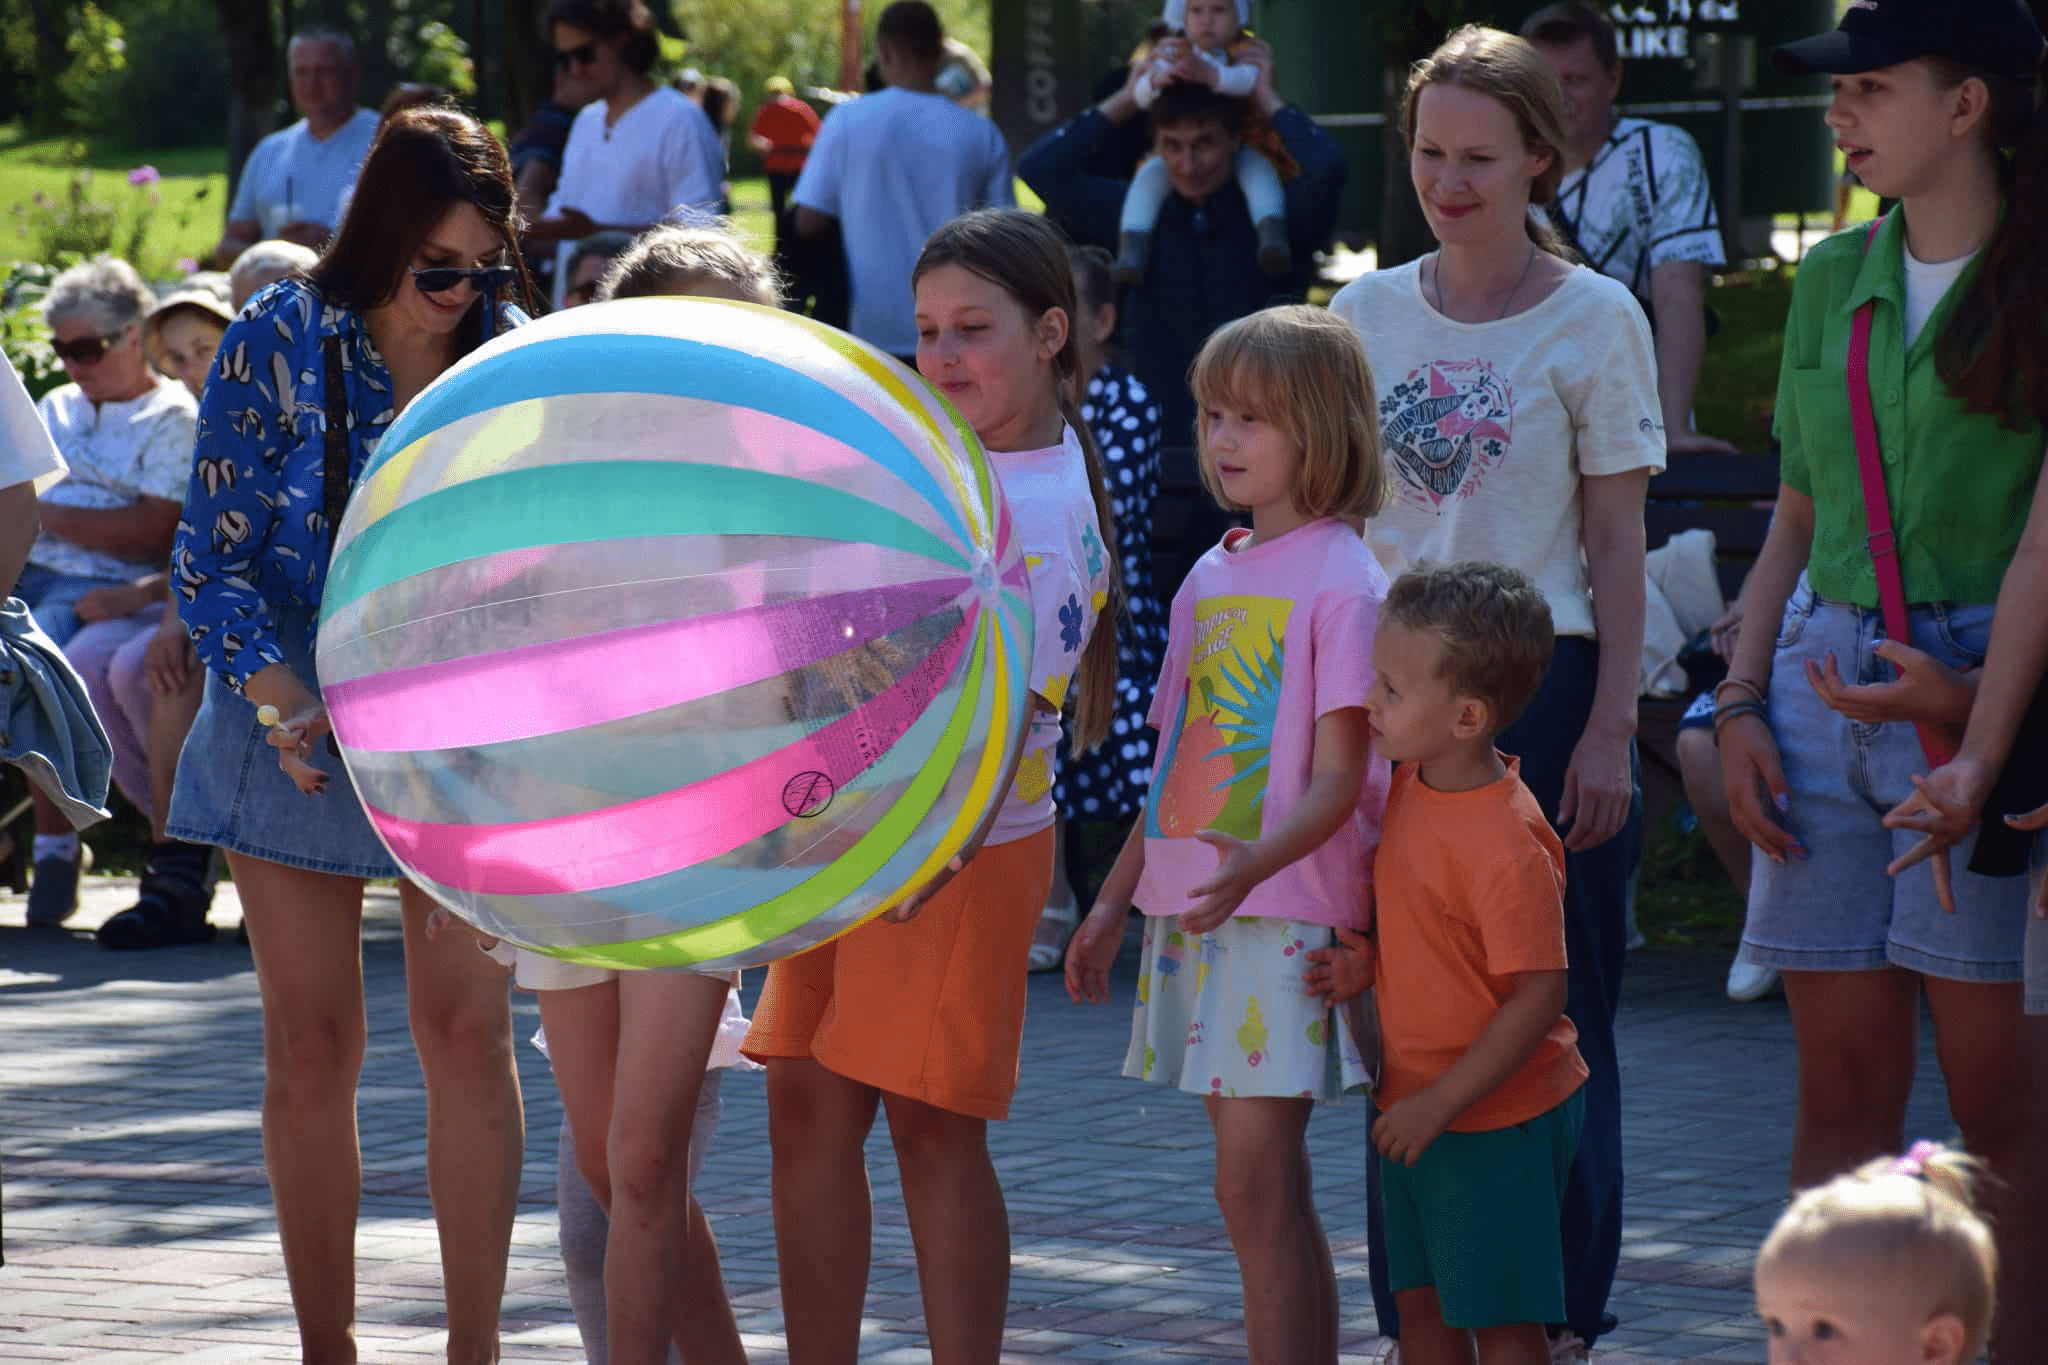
(138, 1225)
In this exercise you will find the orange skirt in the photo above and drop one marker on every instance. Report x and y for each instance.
(932, 1010)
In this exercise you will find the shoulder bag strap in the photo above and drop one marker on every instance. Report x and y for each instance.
(334, 464)
(1877, 507)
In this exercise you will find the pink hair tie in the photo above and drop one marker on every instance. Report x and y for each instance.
(1914, 1162)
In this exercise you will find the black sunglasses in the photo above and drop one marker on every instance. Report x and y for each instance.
(439, 279)
(575, 56)
(86, 350)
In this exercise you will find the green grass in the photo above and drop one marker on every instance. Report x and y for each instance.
(184, 225)
(1684, 898)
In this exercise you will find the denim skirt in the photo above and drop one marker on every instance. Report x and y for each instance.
(231, 793)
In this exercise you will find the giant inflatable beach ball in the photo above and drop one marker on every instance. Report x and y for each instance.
(676, 632)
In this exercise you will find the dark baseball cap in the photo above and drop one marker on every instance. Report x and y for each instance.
(1998, 36)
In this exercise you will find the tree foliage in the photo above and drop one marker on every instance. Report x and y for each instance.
(146, 70)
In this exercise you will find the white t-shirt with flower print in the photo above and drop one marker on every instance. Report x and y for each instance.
(1054, 513)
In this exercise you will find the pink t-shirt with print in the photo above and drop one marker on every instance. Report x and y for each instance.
(1265, 640)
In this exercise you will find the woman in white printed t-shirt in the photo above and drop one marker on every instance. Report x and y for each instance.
(1518, 405)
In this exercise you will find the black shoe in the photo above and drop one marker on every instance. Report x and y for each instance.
(170, 907)
(53, 891)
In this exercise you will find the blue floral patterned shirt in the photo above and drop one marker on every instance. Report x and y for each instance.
(253, 536)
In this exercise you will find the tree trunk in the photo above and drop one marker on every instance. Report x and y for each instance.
(373, 54)
(252, 81)
(527, 63)
(47, 112)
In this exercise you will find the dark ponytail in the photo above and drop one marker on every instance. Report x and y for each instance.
(1025, 256)
(1991, 354)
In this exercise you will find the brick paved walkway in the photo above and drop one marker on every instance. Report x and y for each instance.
(137, 1221)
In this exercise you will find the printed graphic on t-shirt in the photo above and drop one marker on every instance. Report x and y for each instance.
(1448, 424)
(1644, 200)
(1216, 756)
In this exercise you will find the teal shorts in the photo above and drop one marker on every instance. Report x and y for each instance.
(1476, 1219)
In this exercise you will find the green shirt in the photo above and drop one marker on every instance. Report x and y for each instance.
(1959, 483)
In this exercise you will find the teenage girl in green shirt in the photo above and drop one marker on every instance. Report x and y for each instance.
(1935, 104)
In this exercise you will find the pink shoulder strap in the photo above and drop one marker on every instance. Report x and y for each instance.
(1877, 507)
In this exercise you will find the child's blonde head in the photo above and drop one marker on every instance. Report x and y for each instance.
(1899, 1226)
(707, 260)
(1303, 370)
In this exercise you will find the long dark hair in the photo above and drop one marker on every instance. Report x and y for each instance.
(1990, 354)
(424, 162)
(1025, 256)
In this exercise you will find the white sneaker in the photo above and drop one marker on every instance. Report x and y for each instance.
(1747, 981)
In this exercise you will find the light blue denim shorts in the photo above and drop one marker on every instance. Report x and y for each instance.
(1838, 911)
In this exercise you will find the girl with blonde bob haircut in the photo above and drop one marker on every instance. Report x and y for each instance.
(1266, 800)
(1302, 369)
(1892, 1261)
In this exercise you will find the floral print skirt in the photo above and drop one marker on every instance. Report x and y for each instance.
(1226, 1013)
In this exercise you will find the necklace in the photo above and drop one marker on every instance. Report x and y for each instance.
(1436, 278)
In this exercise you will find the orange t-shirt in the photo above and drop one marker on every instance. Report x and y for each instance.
(790, 126)
(1470, 890)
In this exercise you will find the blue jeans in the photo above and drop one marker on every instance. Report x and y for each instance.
(53, 598)
(1596, 943)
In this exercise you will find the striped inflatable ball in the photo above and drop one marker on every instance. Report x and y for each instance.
(676, 632)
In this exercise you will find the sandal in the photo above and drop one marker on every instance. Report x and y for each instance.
(1056, 924)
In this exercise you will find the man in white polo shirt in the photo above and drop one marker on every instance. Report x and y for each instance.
(892, 167)
(292, 184)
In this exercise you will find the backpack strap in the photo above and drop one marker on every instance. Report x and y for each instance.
(1883, 541)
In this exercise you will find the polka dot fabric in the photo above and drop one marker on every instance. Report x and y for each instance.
(1110, 783)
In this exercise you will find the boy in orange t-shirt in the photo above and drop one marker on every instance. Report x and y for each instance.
(1481, 1075)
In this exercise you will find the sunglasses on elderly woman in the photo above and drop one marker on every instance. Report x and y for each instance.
(575, 56)
(86, 350)
(439, 279)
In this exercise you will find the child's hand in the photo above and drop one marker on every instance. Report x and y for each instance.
(1405, 1130)
(1092, 952)
(907, 911)
(294, 738)
(1344, 969)
(1217, 899)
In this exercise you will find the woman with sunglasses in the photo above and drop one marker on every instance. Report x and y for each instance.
(638, 152)
(308, 380)
(127, 435)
